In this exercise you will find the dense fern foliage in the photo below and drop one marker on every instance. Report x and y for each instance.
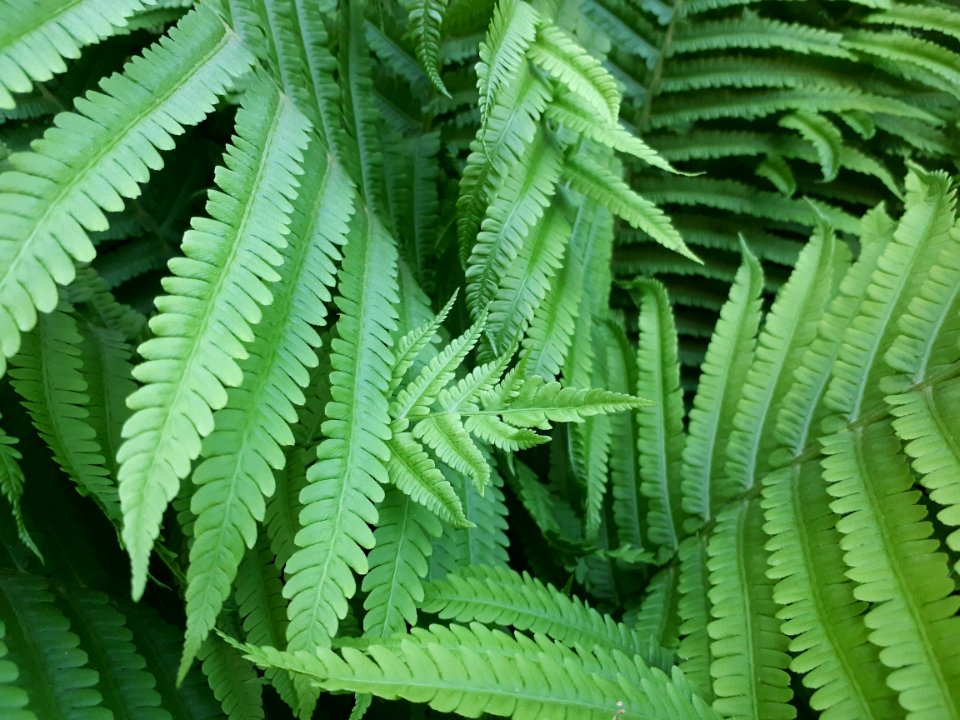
(420, 358)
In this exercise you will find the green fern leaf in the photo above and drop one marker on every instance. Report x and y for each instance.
(415, 399)
(262, 609)
(906, 52)
(97, 156)
(511, 33)
(930, 17)
(233, 681)
(459, 669)
(398, 563)
(36, 40)
(244, 447)
(500, 596)
(54, 672)
(578, 71)
(127, 685)
(724, 370)
(602, 186)
(214, 296)
(446, 435)
(426, 18)
(693, 607)
(518, 206)
(416, 475)
(748, 661)
(660, 437)
(415, 342)
(47, 375)
(751, 31)
(345, 483)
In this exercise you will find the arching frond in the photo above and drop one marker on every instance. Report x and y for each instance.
(97, 156)
(398, 564)
(36, 39)
(241, 453)
(500, 596)
(546, 678)
(214, 297)
(426, 19)
(345, 482)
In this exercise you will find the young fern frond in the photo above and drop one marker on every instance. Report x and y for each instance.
(426, 19)
(214, 297)
(11, 486)
(95, 157)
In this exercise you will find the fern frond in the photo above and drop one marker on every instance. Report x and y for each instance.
(398, 563)
(927, 17)
(98, 155)
(415, 342)
(448, 437)
(789, 327)
(426, 19)
(748, 652)
(244, 447)
(724, 370)
(904, 51)
(47, 375)
(127, 685)
(752, 31)
(526, 281)
(660, 438)
(920, 403)
(818, 607)
(54, 671)
(510, 34)
(500, 596)
(693, 607)
(11, 486)
(417, 476)
(513, 214)
(233, 681)
(214, 296)
(36, 40)
(602, 186)
(577, 70)
(345, 481)
(462, 670)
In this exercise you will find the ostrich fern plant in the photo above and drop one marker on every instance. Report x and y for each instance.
(345, 348)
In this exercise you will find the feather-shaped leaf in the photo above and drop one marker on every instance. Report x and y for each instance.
(99, 155)
(464, 669)
(214, 297)
(241, 453)
(660, 436)
(35, 40)
(426, 18)
(345, 481)
(398, 563)
(417, 476)
(724, 370)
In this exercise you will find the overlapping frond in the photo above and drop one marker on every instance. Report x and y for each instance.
(244, 447)
(338, 503)
(398, 563)
(37, 39)
(213, 298)
(544, 677)
(94, 158)
(499, 596)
